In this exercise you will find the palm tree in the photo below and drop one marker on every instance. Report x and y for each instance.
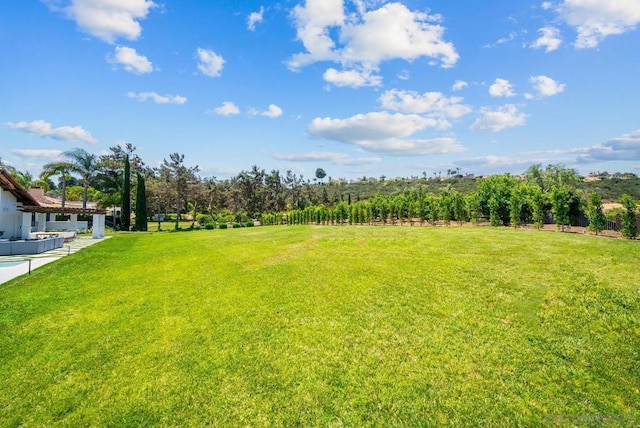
(57, 168)
(85, 164)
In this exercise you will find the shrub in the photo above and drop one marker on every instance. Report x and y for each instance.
(222, 226)
(210, 225)
(204, 219)
(249, 224)
(236, 225)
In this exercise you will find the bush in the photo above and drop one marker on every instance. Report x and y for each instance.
(204, 219)
(210, 225)
(249, 224)
(222, 226)
(236, 225)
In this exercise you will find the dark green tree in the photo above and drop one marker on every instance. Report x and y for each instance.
(597, 219)
(320, 174)
(629, 217)
(126, 196)
(141, 204)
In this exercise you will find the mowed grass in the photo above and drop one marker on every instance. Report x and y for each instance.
(333, 326)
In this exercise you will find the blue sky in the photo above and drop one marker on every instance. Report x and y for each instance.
(357, 87)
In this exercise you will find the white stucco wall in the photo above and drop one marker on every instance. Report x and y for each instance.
(10, 217)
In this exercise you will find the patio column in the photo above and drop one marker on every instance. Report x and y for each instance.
(42, 222)
(98, 226)
(74, 222)
(26, 225)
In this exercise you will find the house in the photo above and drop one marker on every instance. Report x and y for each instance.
(23, 217)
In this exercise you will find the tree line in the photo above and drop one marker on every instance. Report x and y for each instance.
(121, 179)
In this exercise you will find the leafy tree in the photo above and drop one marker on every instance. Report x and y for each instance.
(141, 204)
(459, 207)
(629, 217)
(126, 195)
(560, 205)
(472, 202)
(517, 204)
(494, 193)
(597, 219)
(537, 203)
(320, 174)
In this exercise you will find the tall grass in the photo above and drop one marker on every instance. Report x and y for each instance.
(326, 326)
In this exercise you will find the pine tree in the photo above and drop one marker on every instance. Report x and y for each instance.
(141, 204)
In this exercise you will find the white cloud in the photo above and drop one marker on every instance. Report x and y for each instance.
(504, 117)
(546, 5)
(549, 39)
(501, 88)
(595, 20)
(512, 36)
(546, 86)
(430, 104)
(106, 19)
(364, 39)
(211, 64)
(227, 109)
(130, 60)
(37, 153)
(382, 132)
(626, 147)
(273, 112)
(459, 85)
(157, 98)
(255, 18)
(45, 129)
(351, 78)
(334, 158)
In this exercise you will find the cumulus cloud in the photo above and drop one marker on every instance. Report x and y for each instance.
(501, 88)
(503, 117)
(157, 98)
(430, 104)
(45, 129)
(334, 158)
(351, 78)
(459, 85)
(594, 20)
(383, 132)
(273, 112)
(626, 147)
(546, 86)
(107, 20)
(255, 18)
(130, 60)
(549, 39)
(38, 153)
(211, 64)
(227, 109)
(363, 39)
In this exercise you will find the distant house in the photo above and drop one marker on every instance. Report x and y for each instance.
(23, 216)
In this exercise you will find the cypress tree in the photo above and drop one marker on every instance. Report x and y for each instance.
(126, 195)
(141, 204)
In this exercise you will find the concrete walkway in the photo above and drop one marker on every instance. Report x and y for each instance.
(15, 266)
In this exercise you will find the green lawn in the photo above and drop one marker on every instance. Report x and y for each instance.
(326, 326)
